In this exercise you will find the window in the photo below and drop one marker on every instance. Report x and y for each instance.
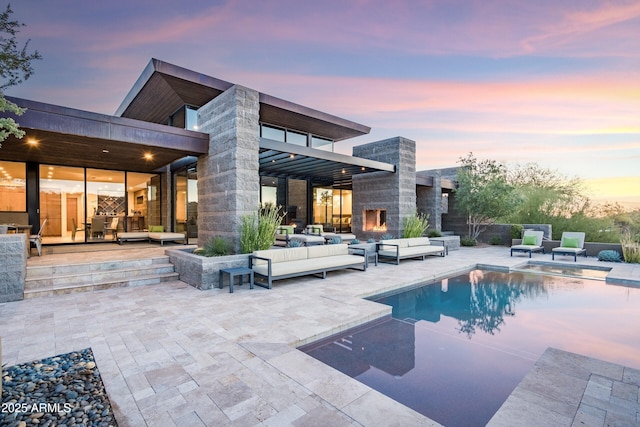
(192, 118)
(270, 132)
(296, 138)
(321, 143)
(13, 187)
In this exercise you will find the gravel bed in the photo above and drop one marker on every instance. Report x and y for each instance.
(63, 391)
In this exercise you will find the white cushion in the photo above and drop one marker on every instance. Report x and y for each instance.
(166, 236)
(307, 239)
(412, 251)
(568, 250)
(418, 241)
(282, 255)
(402, 243)
(327, 250)
(524, 247)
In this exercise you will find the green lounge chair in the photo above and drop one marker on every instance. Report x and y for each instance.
(572, 243)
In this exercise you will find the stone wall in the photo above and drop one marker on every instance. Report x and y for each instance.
(204, 272)
(395, 192)
(228, 177)
(13, 269)
(429, 199)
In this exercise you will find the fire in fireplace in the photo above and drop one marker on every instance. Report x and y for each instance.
(375, 220)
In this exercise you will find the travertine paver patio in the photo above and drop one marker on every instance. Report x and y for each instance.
(173, 355)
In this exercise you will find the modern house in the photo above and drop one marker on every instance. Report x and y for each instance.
(195, 154)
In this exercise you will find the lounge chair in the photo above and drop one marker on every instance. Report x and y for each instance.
(531, 242)
(572, 243)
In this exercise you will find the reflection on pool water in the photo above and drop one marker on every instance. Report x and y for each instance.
(454, 350)
(568, 270)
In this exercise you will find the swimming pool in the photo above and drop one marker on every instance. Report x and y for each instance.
(455, 349)
(590, 272)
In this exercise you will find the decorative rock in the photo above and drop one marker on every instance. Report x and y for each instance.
(69, 384)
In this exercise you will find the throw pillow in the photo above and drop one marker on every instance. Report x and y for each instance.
(571, 242)
(529, 240)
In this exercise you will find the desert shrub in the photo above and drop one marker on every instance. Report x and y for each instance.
(495, 240)
(609, 256)
(630, 249)
(434, 233)
(295, 244)
(335, 240)
(415, 225)
(387, 236)
(215, 246)
(258, 230)
(468, 241)
(516, 231)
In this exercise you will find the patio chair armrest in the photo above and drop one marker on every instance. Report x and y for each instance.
(254, 257)
(387, 244)
(363, 251)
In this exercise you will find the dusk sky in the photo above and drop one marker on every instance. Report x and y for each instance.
(552, 82)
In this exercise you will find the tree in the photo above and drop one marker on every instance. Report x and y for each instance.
(15, 67)
(484, 193)
(545, 194)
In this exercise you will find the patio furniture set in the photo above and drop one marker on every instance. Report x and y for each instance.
(318, 259)
(571, 244)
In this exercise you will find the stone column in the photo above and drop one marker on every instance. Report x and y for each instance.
(429, 201)
(395, 192)
(228, 177)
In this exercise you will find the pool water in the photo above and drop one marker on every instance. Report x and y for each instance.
(455, 349)
(568, 270)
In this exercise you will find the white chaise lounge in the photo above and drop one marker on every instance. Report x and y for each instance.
(155, 233)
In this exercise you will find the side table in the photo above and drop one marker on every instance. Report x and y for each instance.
(235, 271)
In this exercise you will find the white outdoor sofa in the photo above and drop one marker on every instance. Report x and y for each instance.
(413, 247)
(155, 233)
(276, 264)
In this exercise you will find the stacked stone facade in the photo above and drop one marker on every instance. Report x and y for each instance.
(394, 192)
(228, 177)
(13, 269)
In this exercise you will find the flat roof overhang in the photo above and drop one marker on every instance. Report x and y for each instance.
(427, 181)
(70, 137)
(163, 88)
(282, 160)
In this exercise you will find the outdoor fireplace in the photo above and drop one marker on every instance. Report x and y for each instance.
(374, 220)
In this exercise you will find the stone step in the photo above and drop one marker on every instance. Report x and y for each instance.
(87, 277)
(77, 268)
(152, 279)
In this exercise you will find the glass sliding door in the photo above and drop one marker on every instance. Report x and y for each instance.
(323, 207)
(332, 207)
(137, 214)
(106, 203)
(62, 204)
(186, 201)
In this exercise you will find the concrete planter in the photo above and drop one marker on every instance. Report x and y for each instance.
(593, 248)
(203, 272)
